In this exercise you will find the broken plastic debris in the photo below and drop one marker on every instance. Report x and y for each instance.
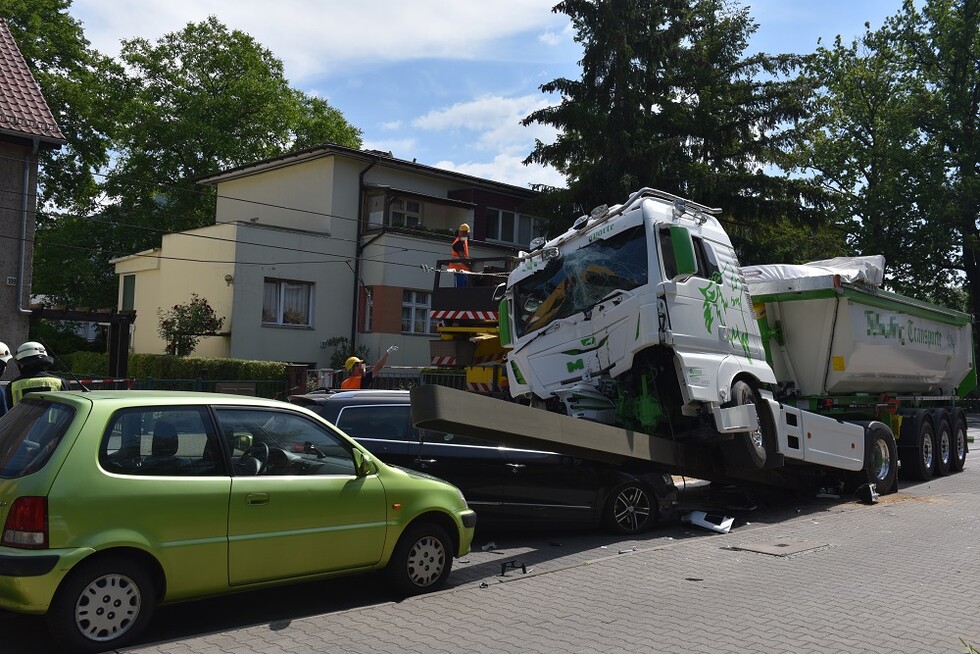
(868, 494)
(489, 546)
(632, 549)
(711, 521)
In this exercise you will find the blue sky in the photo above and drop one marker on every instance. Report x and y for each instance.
(445, 82)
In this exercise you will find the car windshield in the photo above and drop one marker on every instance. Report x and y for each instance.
(29, 434)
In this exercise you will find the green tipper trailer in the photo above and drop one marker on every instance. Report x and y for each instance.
(841, 346)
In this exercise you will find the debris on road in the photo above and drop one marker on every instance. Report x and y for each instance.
(711, 521)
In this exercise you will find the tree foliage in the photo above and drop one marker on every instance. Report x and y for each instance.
(892, 135)
(668, 99)
(183, 325)
(197, 101)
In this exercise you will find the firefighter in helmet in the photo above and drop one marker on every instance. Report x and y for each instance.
(33, 362)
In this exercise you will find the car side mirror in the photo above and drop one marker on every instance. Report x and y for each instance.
(364, 465)
(243, 442)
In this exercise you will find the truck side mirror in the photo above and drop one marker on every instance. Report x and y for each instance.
(682, 246)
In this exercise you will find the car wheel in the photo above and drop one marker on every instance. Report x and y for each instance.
(421, 561)
(630, 509)
(101, 605)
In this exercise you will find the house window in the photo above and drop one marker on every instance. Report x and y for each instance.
(509, 227)
(415, 313)
(129, 293)
(405, 213)
(287, 302)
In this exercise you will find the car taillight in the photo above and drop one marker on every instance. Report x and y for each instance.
(27, 524)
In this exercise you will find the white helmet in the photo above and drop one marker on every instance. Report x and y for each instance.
(4, 353)
(29, 352)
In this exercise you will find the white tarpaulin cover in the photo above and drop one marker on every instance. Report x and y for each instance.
(779, 278)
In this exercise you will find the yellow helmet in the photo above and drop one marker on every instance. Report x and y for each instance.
(351, 361)
(464, 227)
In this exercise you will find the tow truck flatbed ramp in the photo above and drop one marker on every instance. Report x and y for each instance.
(449, 410)
(445, 409)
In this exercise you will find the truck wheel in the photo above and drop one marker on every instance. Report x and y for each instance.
(957, 457)
(103, 604)
(421, 561)
(944, 447)
(752, 449)
(630, 509)
(880, 458)
(919, 460)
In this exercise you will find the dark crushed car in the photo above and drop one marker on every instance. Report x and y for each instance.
(504, 485)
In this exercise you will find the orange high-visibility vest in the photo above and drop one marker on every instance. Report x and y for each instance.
(459, 265)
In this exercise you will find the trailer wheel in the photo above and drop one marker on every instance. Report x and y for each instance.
(880, 458)
(957, 457)
(752, 449)
(919, 459)
(944, 447)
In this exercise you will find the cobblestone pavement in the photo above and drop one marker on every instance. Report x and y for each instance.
(900, 576)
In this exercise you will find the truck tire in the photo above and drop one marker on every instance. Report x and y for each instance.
(752, 450)
(919, 458)
(880, 458)
(944, 444)
(957, 457)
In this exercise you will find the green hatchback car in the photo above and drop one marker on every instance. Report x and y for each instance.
(115, 501)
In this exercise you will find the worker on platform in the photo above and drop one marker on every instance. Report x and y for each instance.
(359, 377)
(461, 254)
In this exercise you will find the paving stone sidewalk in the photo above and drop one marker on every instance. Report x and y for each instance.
(900, 576)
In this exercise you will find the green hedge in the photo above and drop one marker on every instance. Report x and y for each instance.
(165, 366)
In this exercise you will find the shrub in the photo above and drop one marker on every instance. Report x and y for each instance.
(182, 326)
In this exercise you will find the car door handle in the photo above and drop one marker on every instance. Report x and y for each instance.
(255, 499)
(515, 467)
(426, 462)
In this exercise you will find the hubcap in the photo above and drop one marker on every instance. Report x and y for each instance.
(960, 445)
(944, 448)
(632, 508)
(107, 608)
(927, 452)
(882, 463)
(426, 561)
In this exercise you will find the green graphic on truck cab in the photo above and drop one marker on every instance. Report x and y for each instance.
(578, 364)
(717, 304)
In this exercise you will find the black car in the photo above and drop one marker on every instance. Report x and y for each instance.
(503, 484)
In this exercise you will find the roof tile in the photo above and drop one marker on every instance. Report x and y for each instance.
(22, 107)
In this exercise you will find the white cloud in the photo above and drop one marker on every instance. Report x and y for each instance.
(497, 119)
(391, 124)
(323, 36)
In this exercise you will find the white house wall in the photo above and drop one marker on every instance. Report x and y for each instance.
(294, 197)
(195, 261)
(296, 256)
